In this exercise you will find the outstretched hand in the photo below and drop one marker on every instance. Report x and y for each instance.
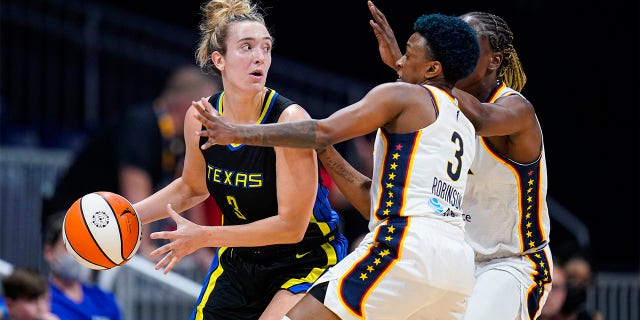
(387, 44)
(217, 129)
(182, 241)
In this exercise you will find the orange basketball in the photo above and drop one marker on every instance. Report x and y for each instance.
(101, 230)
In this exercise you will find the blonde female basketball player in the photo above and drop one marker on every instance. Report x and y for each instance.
(279, 232)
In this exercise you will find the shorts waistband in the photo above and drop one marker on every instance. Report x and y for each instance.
(281, 251)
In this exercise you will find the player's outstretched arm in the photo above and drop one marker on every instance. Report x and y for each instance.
(296, 134)
(379, 106)
(511, 115)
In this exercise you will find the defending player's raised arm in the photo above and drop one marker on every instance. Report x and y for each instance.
(381, 105)
(387, 44)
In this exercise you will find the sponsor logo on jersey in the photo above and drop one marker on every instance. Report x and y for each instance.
(436, 205)
(440, 209)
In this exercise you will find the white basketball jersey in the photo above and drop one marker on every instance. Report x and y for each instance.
(505, 204)
(424, 173)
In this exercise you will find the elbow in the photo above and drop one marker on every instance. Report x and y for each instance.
(289, 231)
(298, 236)
(482, 129)
(294, 236)
(297, 231)
(477, 125)
(364, 206)
(365, 186)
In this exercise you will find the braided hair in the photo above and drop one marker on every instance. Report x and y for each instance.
(500, 37)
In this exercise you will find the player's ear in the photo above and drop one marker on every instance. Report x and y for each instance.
(218, 60)
(433, 69)
(496, 60)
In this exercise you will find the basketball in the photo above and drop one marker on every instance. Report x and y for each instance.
(101, 230)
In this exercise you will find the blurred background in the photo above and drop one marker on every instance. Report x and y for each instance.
(67, 67)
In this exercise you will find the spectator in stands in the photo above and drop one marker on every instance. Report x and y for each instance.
(73, 295)
(26, 296)
(579, 275)
(567, 299)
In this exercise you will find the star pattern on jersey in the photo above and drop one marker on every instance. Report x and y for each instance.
(530, 204)
(544, 270)
(388, 184)
(541, 277)
(532, 232)
(543, 267)
(394, 174)
(382, 254)
(388, 238)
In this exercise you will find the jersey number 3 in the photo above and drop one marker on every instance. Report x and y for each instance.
(232, 201)
(454, 170)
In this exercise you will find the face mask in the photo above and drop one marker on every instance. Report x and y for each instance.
(69, 269)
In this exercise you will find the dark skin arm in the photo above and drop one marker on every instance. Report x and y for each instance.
(510, 124)
(353, 184)
(387, 105)
(494, 119)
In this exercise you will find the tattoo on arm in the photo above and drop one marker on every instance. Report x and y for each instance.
(339, 168)
(296, 134)
(351, 182)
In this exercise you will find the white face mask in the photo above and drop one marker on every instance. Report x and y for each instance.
(69, 269)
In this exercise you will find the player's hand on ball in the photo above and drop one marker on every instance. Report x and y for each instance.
(182, 241)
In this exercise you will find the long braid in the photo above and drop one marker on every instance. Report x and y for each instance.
(501, 40)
